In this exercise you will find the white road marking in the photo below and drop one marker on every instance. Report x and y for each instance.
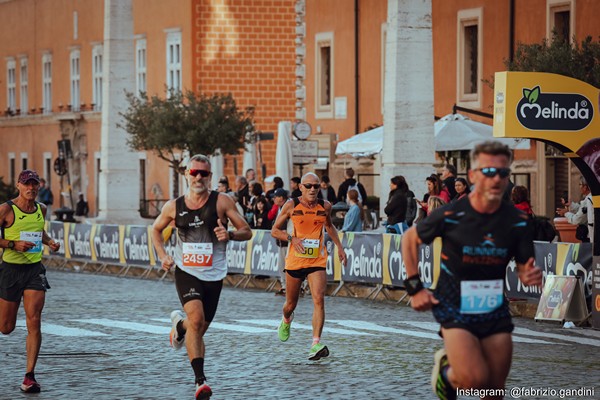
(578, 339)
(227, 327)
(384, 329)
(295, 325)
(128, 325)
(59, 330)
(432, 326)
(359, 328)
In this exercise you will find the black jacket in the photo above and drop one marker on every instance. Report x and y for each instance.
(395, 209)
(343, 190)
(330, 195)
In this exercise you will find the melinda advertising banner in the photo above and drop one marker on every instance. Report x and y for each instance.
(136, 245)
(570, 259)
(549, 107)
(106, 246)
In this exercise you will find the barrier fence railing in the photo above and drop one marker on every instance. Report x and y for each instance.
(373, 258)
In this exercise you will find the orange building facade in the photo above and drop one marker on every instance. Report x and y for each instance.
(322, 61)
(51, 78)
(471, 41)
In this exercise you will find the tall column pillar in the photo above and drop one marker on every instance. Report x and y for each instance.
(119, 180)
(408, 103)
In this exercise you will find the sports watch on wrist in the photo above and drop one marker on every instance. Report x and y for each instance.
(11, 244)
(413, 285)
(230, 233)
(289, 238)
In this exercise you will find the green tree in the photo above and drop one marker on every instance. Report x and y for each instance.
(198, 123)
(578, 60)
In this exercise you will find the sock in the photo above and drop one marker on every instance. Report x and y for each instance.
(180, 329)
(198, 367)
(288, 320)
(444, 372)
(316, 340)
(30, 375)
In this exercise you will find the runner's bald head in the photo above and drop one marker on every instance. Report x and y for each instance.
(310, 176)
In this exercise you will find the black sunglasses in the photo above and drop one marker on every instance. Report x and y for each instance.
(313, 186)
(203, 173)
(491, 172)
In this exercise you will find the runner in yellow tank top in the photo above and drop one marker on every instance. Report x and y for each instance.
(22, 275)
(307, 257)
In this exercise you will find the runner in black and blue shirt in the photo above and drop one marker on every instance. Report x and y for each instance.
(480, 234)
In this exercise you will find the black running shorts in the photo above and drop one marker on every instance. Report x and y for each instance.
(482, 330)
(303, 272)
(191, 288)
(16, 278)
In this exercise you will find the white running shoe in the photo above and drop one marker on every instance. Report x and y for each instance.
(176, 341)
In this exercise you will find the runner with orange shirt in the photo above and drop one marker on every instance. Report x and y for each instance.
(307, 257)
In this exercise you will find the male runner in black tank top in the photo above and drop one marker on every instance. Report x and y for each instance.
(200, 218)
(480, 234)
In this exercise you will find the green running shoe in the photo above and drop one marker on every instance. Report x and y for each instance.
(284, 329)
(317, 352)
(441, 387)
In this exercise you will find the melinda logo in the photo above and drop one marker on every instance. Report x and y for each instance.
(554, 111)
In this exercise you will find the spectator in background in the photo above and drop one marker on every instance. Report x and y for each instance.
(353, 220)
(508, 193)
(462, 188)
(46, 197)
(434, 188)
(396, 206)
(243, 192)
(261, 212)
(279, 198)
(581, 213)
(348, 182)
(223, 186)
(295, 187)
(327, 192)
(250, 175)
(434, 202)
(448, 180)
(520, 199)
(277, 184)
(81, 209)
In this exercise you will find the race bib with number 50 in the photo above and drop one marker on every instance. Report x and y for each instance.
(197, 254)
(311, 248)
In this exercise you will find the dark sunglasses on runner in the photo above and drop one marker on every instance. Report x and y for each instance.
(313, 186)
(491, 172)
(203, 173)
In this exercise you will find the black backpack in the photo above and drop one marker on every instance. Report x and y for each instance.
(543, 230)
(411, 210)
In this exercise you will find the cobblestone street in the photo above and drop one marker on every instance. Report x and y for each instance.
(107, 338)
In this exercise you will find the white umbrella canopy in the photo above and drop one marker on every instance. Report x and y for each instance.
(283, 155)
(364, 144)
(458, 132)
(217, 168)
(249, 157)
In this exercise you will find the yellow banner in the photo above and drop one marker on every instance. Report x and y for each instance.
(548, 107)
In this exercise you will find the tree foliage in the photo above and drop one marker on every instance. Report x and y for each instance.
(578, 60)
(186, 121)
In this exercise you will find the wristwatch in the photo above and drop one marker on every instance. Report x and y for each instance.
(413, 285)
(230, 233)
(289, 238)
(11, 244)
